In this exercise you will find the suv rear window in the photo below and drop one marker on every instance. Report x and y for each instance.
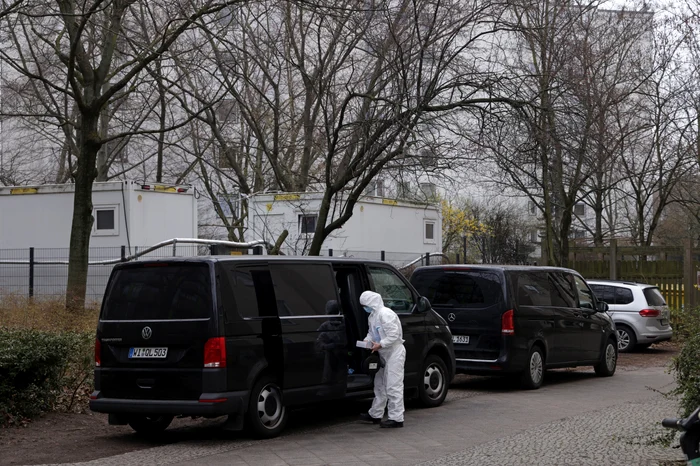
(161, 291)
(462, 289)
(654, 297)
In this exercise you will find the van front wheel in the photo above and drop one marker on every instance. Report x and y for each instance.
(150, 425)
(267, 415)
(433, 385)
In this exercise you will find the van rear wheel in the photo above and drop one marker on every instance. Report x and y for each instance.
(267, 414)
(533, 375)
(150, 425)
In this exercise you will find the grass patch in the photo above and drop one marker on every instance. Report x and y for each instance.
(50, 315)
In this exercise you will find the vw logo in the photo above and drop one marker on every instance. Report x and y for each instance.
(451, 317)
(146, 333)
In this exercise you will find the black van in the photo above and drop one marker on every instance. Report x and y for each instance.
(520, 320)
(249, 337)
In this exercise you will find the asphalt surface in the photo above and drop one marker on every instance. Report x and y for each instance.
(576, 418)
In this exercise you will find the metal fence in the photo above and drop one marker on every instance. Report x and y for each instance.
(43, 273)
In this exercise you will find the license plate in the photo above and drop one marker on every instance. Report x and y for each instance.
(148, 353)
(463, 339)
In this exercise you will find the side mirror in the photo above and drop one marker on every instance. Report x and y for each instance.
(602, 306)
(423, 304)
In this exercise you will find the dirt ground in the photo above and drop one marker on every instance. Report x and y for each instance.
(67, 438)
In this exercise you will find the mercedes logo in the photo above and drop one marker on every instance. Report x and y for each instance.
(146, 333)
(451, 317)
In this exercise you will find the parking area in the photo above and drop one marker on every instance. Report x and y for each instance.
(575, 418)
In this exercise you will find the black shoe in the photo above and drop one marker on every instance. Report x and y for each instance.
(391, 423)
(367, 418)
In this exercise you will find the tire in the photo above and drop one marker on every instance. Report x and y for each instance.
(532, 377)
(626, 339)
(608, 360)
(432, 388)
(267, 415)
(150, 425)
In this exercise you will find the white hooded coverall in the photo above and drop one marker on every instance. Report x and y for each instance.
(385, 329)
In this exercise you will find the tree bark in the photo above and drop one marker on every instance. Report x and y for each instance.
(89, 144)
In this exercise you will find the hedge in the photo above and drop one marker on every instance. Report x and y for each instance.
(686, 365)
(43, 371)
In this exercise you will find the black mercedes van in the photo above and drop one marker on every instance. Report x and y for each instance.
(520, 320)
(251, 336)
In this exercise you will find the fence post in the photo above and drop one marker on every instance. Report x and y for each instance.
(689, 276)
(330, 252)
(123, 253)
(383, 256)
(212, 249)
(31, 272)
(613, 259)
(257, 251)
(174, 248)
(457, 259)
(464, 247)
(427, 258)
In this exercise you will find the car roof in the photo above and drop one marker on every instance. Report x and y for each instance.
(513, 268)
(603, 281)
(252, 258)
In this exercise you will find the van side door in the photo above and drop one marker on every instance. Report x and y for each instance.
(399, 297)
(313, 331)
(591, 322)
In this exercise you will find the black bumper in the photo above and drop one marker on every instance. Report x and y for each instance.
(209, 404)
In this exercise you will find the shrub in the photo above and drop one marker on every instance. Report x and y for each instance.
(686, 365)
(42, 371)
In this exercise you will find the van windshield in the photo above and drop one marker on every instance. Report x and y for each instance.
(461, 289)
(159, 292)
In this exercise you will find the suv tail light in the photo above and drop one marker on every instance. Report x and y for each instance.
(215, 352)
(650, 313)
(507, 326)
(98, 352)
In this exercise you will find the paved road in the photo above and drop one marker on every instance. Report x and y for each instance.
(575, 419)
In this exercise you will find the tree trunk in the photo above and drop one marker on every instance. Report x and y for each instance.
(161, 135)
(320, 234)
(89, 145)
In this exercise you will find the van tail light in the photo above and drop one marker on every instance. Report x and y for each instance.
(650, 313)
(507, 326)
(98, 352)
(215, 352)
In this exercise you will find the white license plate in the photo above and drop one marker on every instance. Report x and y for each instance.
(464, 339)
(148, 353)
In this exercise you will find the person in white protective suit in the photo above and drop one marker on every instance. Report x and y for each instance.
(386, 335)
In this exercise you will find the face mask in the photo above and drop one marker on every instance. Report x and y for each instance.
(368, 309)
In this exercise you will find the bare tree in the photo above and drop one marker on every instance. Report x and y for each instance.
(99, 60)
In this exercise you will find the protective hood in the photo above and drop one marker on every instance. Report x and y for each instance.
(372, 299)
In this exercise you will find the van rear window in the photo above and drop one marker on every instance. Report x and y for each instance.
(461, 289)
(161, 292)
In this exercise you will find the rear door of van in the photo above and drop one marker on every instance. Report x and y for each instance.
(155, 321)
(472, 301)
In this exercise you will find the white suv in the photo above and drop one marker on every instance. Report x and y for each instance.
(639, 311)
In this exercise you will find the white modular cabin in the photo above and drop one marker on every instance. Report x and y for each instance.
(35, 228)
(125, 213)
(399, 228)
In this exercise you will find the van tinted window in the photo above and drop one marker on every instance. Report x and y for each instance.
(304, 289)
(654, 297)
(462, 289)
(160, 291)
(532, 289)
(253, 293)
